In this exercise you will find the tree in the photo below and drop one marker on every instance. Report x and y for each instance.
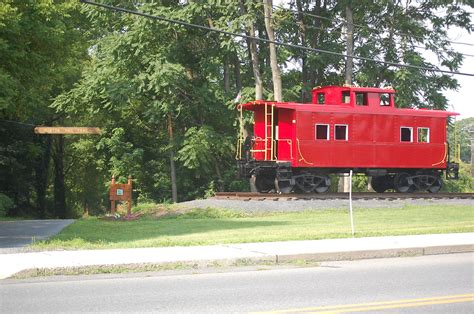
(155, 82)
(42, 46)
(252, 47)
(276, 76)
(399, 33)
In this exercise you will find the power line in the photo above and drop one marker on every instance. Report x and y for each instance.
(119, 9)
(378, 35)
(19, 123)
(274, 19)
(360, 25)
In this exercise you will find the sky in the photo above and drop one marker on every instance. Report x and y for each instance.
(462, 100)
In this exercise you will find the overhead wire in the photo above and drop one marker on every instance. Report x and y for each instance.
(23, 124)
(378, 35)
(186, 24)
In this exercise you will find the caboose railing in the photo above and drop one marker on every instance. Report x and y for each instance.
(268, 142)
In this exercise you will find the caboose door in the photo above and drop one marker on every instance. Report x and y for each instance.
(286, 134)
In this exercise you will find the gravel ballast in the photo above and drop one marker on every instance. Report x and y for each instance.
(266, 206)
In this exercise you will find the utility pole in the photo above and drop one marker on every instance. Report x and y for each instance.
(344, 182)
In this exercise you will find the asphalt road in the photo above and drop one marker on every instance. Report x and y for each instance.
(427, 284)
(19, 233)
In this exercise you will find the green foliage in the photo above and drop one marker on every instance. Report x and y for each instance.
(459, 137)
(6, 204)
(43, 47)
(359, 183)
(203, 147)
(464, 184)
(124, 158)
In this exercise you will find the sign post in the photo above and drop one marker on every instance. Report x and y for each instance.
(350, 202)
(121, 192)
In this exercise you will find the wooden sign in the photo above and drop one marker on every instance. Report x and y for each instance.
(66, 130)
(121, 192)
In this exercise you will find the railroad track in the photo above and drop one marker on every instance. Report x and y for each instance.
(247, 196)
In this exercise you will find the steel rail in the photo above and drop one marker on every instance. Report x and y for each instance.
(247, 196)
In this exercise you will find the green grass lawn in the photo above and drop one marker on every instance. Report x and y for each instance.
(215, 226)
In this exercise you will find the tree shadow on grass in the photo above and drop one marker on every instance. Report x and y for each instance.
(164, 232)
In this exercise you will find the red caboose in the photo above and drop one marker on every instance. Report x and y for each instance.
(297, 146)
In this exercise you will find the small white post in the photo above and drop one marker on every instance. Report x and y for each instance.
(350, 202)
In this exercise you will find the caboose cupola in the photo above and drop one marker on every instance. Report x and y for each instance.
(363, 97)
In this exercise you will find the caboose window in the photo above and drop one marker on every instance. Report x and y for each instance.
(340, 132)
(322, 131)
(423, 135)
(361, 99)
(385, 99)
(406, 134)
(321, 98)
(346, 97)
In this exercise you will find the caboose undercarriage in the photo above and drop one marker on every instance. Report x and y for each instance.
(280, 177)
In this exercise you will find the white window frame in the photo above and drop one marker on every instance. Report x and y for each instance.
(411, 134)
(347, 132)
(316, 132)
(427, 135)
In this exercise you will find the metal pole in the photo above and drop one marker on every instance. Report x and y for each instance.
(350, 202)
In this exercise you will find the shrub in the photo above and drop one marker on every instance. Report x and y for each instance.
(6, 204)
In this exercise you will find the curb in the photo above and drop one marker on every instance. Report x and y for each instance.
(371, 254)
(266, 259)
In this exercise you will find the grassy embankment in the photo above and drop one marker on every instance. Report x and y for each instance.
(216, 226)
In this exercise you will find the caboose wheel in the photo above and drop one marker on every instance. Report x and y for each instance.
(265, 182)
(285, 187)
(402, 183)
(381, 183)
(436, 186)
(324, 185)
(305, 184)
(309, 183)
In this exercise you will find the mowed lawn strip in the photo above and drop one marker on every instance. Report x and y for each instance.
(217, 226)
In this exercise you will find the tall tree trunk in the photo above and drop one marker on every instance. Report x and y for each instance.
(238, 77)
(349, 44)
(41, 174)
(276, 76)
(226, 75)
(252, 46)
(220, 181)
(174, 186)
(59, 185)
(304, 70)
(316, 74)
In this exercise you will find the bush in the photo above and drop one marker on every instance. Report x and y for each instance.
(463, 184)
(6, 204)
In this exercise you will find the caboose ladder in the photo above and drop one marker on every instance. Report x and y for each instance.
(269, 138)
